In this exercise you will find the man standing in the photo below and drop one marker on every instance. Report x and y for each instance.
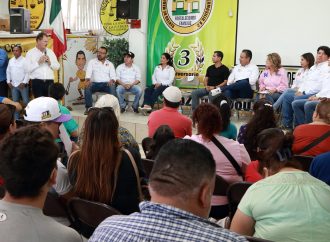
(3, 68)
(181, 186)
(128, 78)
(215, 77)
(17, 77)
(169, 115)
(28, 167)
(242, 80)
(40, 65)
(100, 77)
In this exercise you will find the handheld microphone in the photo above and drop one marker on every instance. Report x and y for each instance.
(46, 54)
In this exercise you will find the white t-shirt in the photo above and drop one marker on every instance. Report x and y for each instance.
(26, 223)
(313, 82)
(240, 72)
(62, 185)
(100, 72)
(127, 74)
(163, 76)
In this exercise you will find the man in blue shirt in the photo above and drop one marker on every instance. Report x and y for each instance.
(181, 185)
(3, 77)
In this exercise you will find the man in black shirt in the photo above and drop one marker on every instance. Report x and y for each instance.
(215, 77)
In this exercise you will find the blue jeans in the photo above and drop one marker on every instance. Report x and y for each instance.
(303, 111)
(287, 111)
(239, 89)
(151, 94)
(98, 87)
(196, 95)
(271, 97)
(136, 90)
(279, 101)
(16, 93)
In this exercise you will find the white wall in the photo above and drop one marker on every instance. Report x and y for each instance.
(138, 40)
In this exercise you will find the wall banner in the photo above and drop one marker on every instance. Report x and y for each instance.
(190, 31)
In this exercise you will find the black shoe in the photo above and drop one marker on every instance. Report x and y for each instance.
(135, 110)
(86, 111)
(122, 110)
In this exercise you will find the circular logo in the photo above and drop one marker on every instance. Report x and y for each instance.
(37, 10)
(185, 16)
(108, 18)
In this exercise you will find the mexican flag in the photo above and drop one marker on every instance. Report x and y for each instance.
(57, 24)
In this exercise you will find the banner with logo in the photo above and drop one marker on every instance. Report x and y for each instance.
(190, 31)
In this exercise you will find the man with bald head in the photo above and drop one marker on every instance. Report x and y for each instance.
(181, 186)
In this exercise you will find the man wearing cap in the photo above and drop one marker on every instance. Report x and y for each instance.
(169, 115)
(100, 77)
(128, 78)
(46, 112)
(40, 63)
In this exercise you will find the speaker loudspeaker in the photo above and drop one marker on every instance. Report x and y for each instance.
(19, 21)
(127, 9)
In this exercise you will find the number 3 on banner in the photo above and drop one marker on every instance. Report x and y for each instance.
(184, 58)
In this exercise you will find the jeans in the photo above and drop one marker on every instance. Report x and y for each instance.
(3, 89)
(136, 90)
(303, 111)
(239, 89)
(196, 95)
(40, 87)
(151, 94)
(287, 111)
(98, 87)
(17, 92)
(271, 97)
(279, 101)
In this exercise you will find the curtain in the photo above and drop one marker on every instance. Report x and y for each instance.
(82, 15)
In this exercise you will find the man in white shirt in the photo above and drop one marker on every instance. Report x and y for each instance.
(17, 77)
(309, 87)
(242, 80)
(128, 78)
(100, 77)
(304, 109)
(40, 63)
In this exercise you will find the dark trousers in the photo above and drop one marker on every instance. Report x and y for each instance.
(239, 89)
(219, 212)
(40, 88)
(151, 94)
(3, 89)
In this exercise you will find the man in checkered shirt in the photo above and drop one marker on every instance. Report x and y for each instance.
(181, 187)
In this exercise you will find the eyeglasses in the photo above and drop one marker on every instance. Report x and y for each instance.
(95, 109)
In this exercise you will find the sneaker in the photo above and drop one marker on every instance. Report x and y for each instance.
(122, 110)
(135, 110)
(86, 111)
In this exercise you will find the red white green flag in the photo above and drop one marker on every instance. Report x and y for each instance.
(57, 24)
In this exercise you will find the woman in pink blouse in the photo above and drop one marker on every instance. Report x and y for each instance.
(273, 81)
(207, 118)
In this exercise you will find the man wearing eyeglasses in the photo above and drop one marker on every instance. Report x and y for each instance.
(100, 77)
(17, 77)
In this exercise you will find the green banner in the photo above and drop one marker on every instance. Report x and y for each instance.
(190, 31)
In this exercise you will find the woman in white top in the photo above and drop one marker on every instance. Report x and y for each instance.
(306, 61)
(162, 78)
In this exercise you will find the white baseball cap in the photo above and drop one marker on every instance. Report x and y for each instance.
(43, 109)
(172, 94)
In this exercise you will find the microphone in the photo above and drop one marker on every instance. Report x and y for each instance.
(46, 54)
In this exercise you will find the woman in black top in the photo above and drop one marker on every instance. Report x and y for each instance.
(102, 171)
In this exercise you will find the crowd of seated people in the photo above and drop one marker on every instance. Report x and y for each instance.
(102, 167)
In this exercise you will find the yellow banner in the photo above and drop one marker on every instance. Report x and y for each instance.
(27, 43)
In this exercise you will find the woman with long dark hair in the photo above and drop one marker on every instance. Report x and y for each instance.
(263, 118)
(162, 78)
(101, 170)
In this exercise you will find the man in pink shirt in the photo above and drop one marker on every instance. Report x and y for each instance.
(169, 115)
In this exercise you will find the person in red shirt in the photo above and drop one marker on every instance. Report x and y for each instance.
(306, 133)
(169, 115)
